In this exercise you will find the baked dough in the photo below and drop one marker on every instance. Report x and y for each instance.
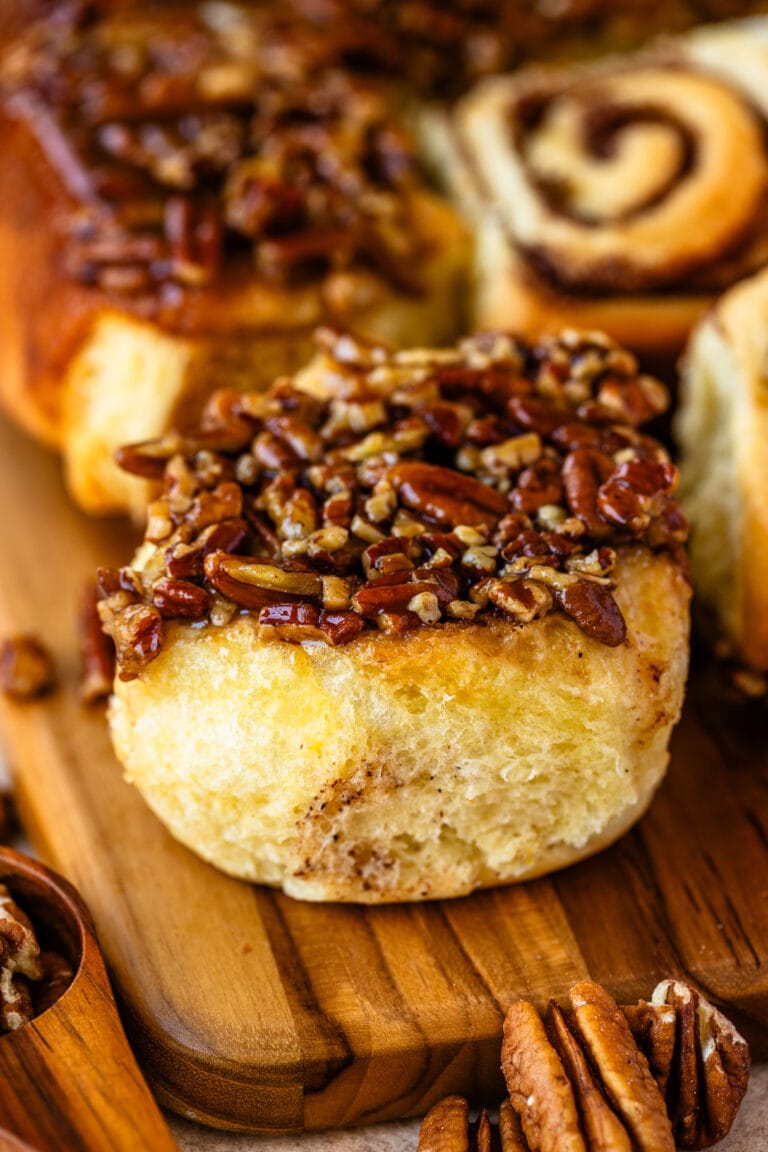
(409, 679)
(140, 270)
(722, 426)
(603, 195)
(413, 767)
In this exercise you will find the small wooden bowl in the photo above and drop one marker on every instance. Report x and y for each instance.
(68, 1079)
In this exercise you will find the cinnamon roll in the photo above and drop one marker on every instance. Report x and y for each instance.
(722, 427)
(623, 195)
(186, 191)
(410, 624)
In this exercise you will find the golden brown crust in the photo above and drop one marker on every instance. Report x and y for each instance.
(602, 192)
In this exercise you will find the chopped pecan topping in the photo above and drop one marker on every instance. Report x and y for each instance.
(192, 135)
(356, 506)
(26, 667)
(599, 1078)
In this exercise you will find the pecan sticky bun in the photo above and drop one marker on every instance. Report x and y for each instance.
(188, 135)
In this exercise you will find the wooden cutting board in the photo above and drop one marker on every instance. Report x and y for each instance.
(250, 1010)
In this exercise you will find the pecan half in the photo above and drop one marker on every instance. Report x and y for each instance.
(97, 651)
(705, 1077)
(446, 497)
(391, 598)
(635, 492)
(539, 1089)
(603, 1130)
(584, 471)
(595, 611)
(254, 586)
(622, 1068)
(180, 599)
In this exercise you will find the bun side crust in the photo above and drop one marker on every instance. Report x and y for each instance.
(409, 767)
(723, 429)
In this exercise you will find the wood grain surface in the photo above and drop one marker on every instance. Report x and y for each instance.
(250, 1010)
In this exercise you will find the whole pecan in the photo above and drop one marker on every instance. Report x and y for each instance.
(180, 599)
(595, 611)
(445, 496)
(584, 471)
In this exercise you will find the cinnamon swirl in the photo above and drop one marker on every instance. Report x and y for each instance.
(186, 191)
(623, 195)
(723, 431)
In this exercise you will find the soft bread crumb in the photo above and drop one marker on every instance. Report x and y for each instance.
(401, 768)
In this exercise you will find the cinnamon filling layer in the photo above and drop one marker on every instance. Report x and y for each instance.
(618, 182)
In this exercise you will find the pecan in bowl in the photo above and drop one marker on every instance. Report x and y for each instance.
(35, 968)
